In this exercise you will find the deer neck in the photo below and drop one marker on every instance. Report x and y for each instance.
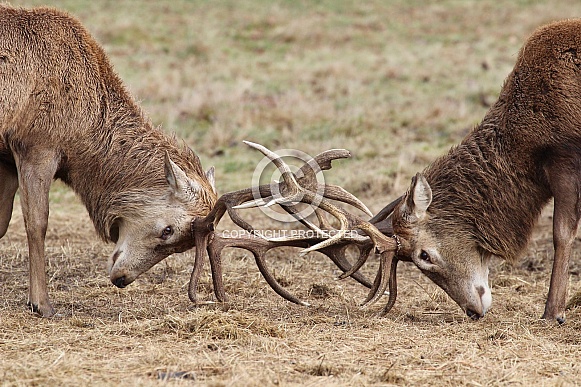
(480, 187)
(123, 157)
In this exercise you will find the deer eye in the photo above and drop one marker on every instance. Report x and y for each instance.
(166, 233)
(424, 256)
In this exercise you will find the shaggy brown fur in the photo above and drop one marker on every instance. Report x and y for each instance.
(65, 114)
(489, 190)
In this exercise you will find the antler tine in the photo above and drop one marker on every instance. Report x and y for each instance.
(291, 210)
(202, 230)
(381, 280)
(325, 158)
(308, 179)
(382, 222)
(337, 254)
(392, 287)
(276, 160)
(339, 193)
(340, 234)
(323, 222)
(363, 256)
(228, 202)
(347, 221)
(385, 211)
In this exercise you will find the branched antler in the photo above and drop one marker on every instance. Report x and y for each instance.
(371, 236)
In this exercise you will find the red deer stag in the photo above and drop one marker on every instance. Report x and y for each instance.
(64, 113)
(483, 198)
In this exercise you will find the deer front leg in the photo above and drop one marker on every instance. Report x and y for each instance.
(8, 187)
(565, 222)
(35, 173)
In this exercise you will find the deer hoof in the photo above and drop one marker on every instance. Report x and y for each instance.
(554, 316)
(42, 311)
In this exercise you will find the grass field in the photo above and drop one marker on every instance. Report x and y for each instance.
(397, 83)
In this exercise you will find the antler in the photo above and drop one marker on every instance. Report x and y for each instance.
(375, 235)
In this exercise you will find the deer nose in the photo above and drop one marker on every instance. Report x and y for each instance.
(478, 309)
(119, 282)
(473, 315)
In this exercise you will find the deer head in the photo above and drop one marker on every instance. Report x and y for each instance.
(448, 255)
(148, 227)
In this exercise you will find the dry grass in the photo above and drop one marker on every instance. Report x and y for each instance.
(395, 82)
(150, 333)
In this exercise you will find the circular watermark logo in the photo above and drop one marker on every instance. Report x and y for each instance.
(266, 173)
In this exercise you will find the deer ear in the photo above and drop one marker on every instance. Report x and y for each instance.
(419, 197)
(422, 195)
(180, 184)
(211, 179)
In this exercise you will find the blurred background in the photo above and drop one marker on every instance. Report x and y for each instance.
(395, 82)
